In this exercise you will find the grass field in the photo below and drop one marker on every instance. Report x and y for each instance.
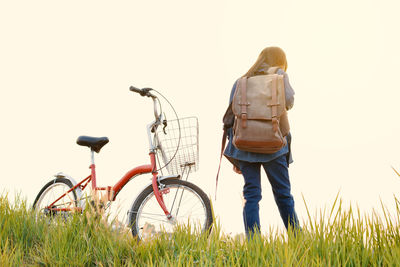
(337, 238)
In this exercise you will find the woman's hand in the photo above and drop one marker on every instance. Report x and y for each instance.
(237, 170)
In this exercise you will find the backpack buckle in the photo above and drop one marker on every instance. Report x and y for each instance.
(244, 119)
(244, 104)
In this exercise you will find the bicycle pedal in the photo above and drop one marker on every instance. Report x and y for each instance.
(99, 205)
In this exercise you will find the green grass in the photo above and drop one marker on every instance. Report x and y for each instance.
(337, 237)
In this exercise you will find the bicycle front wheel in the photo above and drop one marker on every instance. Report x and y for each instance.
(52, 191)
(186, 202)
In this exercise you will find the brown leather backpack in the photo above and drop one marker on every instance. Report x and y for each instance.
(261, 121)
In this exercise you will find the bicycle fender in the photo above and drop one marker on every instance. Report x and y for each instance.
(78, 190)
(176, 176)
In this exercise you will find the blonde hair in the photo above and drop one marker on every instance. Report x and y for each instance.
(272, 56)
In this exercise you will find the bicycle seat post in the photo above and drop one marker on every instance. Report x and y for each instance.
(93, 168)
(92, 156)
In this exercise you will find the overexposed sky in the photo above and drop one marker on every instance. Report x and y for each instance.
(65, 70)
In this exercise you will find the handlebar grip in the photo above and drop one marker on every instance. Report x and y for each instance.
(136, 90)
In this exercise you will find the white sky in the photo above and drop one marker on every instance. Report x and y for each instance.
(65, 70)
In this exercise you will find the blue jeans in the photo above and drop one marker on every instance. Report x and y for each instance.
(278, 176)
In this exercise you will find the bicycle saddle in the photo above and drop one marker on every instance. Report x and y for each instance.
(95, 143)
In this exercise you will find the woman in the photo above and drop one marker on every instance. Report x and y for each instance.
(275, 165)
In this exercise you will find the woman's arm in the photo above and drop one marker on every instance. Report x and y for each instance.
(232, 92)
(289, 92)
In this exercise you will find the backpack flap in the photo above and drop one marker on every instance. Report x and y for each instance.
(259, 97)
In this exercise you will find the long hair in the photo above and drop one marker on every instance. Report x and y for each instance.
(270, 57)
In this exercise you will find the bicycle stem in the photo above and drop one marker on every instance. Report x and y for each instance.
(152, 127)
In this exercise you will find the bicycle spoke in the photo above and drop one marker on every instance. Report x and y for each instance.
(156, 220)
(153, 214)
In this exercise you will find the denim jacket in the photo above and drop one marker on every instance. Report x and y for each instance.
(233, 154)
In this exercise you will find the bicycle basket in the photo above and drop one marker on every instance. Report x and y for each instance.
(187, 155)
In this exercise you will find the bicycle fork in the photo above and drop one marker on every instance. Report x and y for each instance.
(154, 183)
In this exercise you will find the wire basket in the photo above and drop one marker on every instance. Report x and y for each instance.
(185, 157)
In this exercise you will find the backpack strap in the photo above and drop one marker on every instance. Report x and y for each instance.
(274, 100)
(220, 159)
(243, 101)
(274, 105)
(228, 121)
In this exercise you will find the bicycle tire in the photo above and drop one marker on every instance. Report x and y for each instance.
(38, 204)
(141, 222)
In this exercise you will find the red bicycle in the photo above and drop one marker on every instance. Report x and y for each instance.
(168, 201)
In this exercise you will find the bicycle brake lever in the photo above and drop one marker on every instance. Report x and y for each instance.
(146, 92)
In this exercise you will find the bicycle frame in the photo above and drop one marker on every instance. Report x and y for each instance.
(112, 191)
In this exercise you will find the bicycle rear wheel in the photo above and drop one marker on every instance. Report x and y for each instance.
(50, 193)
(187, 203)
